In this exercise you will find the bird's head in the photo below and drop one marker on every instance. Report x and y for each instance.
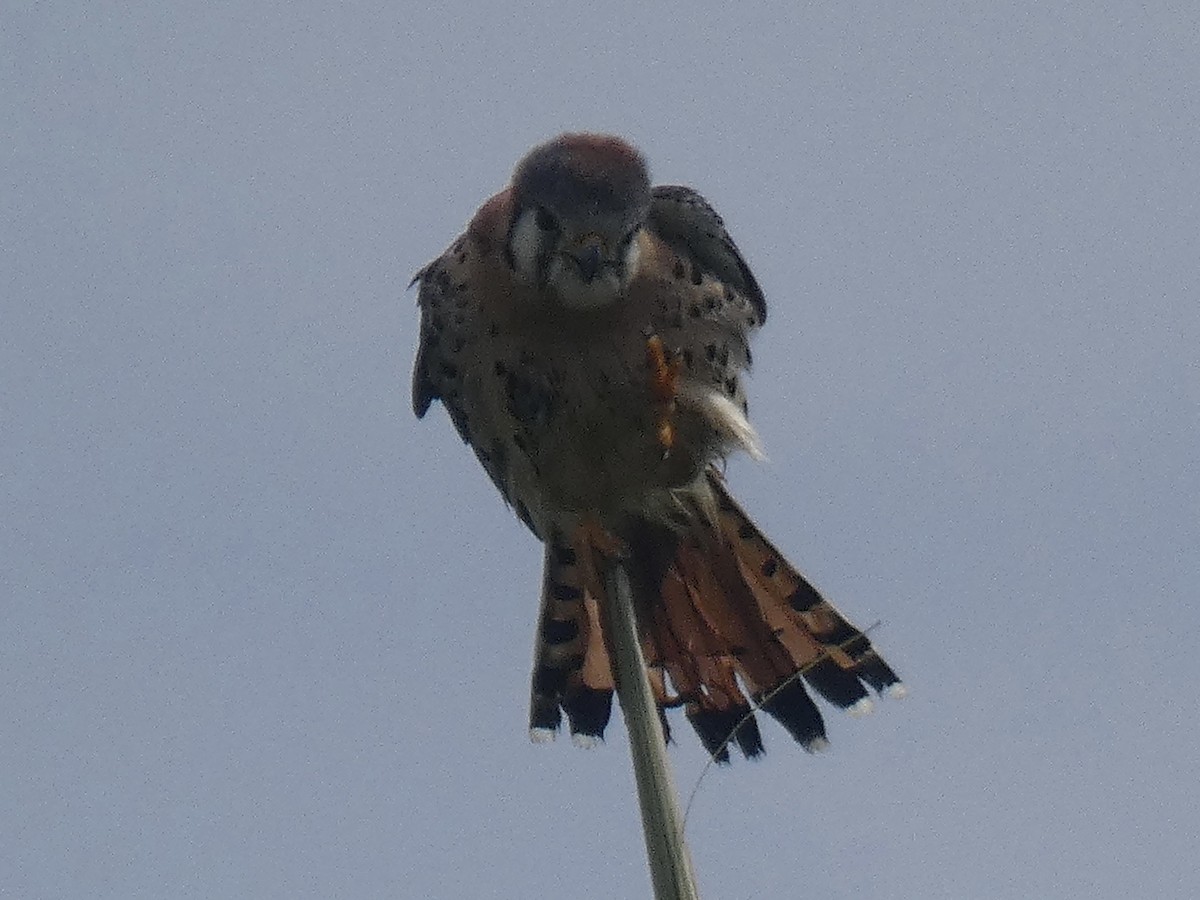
(578, 204)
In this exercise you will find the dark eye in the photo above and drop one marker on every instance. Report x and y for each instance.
(545, 220)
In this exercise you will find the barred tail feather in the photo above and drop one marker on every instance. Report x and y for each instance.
(571, 670)
(833, 654)
(727, 625)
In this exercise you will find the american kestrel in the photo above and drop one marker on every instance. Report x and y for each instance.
(587, 335)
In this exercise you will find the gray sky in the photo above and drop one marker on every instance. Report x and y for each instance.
(263, 634)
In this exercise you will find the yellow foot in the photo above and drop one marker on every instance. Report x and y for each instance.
(664, 388)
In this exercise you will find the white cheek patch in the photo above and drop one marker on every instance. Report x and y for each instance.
(633, 254)
(525, 245)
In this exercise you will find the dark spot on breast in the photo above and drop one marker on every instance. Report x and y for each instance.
(530, 401)
(731, 386)
(679, 270)
(724, 355)
(710, 352)
(697, 275)
(770, 566)
(710, 303)
(564, 556)
(694, 311)
(687, 357)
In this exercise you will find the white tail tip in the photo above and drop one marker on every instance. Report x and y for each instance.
(897, 691)
(542, 735)
(817, 745)
(863, 707)
(585, 741)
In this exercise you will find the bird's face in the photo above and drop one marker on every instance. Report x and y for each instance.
(584, 261)
(580, 201)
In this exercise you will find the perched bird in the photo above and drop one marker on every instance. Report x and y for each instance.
(587, 335)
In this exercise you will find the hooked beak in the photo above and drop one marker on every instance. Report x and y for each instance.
(588, 256)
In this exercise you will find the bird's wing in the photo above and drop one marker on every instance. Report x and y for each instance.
(686, 221)
(424, 391)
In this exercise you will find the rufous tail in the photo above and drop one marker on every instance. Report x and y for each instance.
(727, 625)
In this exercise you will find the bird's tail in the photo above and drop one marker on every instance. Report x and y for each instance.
(726, 622)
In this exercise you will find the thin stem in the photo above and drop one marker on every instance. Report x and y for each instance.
(666, 850)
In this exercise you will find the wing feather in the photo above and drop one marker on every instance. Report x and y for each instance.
(685, 220)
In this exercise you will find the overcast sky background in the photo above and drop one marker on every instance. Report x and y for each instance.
(263, 634)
